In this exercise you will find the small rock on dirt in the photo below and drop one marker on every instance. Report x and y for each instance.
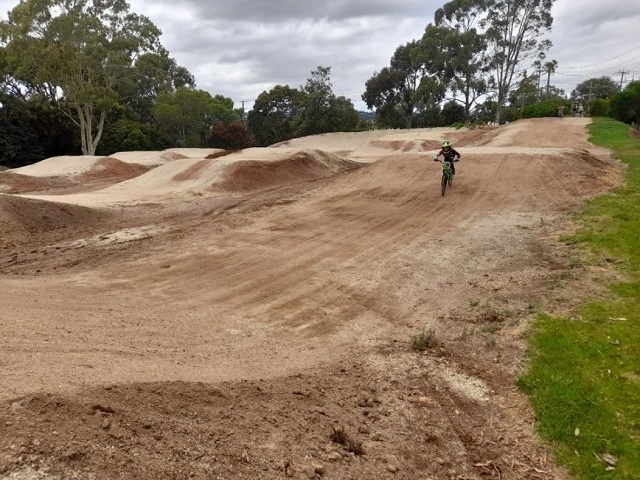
(334, 457)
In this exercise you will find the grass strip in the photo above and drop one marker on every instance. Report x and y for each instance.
(584, 376)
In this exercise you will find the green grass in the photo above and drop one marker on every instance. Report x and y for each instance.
(425, 339)
(585, 373)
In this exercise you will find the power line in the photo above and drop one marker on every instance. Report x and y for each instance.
(609, 70)
(613, 58)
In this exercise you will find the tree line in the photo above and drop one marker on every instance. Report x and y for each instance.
(487, 60)
(473, 49)
(91, 76)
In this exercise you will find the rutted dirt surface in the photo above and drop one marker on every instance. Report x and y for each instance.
(258, 328)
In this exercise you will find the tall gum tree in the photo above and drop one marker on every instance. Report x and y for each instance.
(514, 31)
(462, 55)
(405, 85)
(320, 110)
(272, 118)
(79, 49)
(186, 115)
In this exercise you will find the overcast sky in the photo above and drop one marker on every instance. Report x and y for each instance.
(240, 48)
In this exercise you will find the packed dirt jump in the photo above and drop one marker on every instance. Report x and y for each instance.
(249, 315)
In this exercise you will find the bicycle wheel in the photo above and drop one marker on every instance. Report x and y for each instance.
(444, 183)
(471, 126)
(480, 124)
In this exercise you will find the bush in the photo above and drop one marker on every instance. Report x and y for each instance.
(546, 108)
(625, 105)
(233, 136)
(600, 108)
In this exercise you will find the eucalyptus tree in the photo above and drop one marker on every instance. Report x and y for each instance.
(550, 67)
(602, 87)
(458, 45)
(271, 120)
(398, 90)
(151, 74)
(514, 31)
(319, 110)
(186, 115)
(79, 51)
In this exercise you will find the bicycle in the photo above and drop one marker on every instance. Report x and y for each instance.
(447, 175)
(474, 124)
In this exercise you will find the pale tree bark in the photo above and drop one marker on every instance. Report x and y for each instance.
(514, 31)
(89, 140)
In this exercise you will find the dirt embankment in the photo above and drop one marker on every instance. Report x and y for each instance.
(253, 317)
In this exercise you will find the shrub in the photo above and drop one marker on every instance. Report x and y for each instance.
(546, 108)
(600, 108)
(625, 105)
(233, 136)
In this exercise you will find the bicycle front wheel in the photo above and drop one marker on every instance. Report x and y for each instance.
(444, 183)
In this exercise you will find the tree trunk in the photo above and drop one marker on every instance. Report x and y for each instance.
(548, 81)
(499, 110)
(87, 140)
(96, 140)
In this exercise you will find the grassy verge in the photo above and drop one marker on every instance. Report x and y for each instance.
(584, 378)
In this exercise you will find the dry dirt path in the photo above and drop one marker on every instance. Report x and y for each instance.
(227, 336)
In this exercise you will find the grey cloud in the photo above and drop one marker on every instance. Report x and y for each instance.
(286, 53)
(274, 11)
(588, 14)
(243, 47)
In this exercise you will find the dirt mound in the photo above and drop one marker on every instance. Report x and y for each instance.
(303, 166)
(192, 152)
(112, 170)
(544, 132)
(584, 174)
(104, 172)
(199, 169)
(344, 423)
(477, 137)
(149, 158)
(11, 182)
(26, 218)
(222, 153)
(406, 146)
(66, 165)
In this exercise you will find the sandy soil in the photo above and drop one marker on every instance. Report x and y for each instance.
(249, 316)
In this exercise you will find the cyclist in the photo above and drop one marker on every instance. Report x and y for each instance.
(449, 154)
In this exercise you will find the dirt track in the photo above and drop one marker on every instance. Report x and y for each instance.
(225, 333)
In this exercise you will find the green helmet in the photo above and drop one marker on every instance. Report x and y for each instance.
(446, 143)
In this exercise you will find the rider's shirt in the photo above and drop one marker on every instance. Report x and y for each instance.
(449, 155)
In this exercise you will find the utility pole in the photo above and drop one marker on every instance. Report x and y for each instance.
(244, 119)
(622, 74)
(540, 70)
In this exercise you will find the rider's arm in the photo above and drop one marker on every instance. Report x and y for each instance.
(435, 159)
(456, 153)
